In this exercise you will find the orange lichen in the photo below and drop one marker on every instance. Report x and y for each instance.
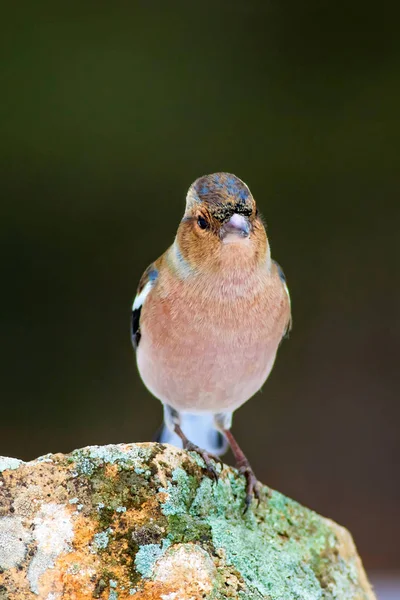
(154, 590)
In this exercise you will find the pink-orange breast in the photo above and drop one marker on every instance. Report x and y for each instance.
(209, 345)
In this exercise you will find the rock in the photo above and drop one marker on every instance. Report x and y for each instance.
(145, 521)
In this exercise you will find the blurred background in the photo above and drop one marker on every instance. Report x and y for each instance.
(107, 114)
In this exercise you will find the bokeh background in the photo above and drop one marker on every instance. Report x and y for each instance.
(108, 113)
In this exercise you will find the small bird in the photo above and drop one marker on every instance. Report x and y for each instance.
(208, 318)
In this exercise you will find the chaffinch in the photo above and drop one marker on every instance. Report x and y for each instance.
(208, 318)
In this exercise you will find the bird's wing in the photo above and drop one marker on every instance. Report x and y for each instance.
(146, 283)
(283, 279)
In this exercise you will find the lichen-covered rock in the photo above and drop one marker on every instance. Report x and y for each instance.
(145, 521)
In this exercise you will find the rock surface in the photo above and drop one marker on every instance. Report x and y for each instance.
(145, 521)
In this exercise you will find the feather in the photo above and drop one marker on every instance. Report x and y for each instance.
(282, 277)
(146, 284)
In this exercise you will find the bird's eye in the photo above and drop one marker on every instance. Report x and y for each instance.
(202, 223)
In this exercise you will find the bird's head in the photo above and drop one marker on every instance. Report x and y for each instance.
(221, 221)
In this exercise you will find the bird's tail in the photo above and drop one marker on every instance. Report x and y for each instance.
(200, 430)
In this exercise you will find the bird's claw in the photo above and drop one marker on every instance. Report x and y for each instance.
(252, 485)
(208, 458)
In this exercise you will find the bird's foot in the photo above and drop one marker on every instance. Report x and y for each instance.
(244, 468)
(208, 458)
(252, 484)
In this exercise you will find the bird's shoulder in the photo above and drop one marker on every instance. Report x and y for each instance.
(279, 271)
(147, 281)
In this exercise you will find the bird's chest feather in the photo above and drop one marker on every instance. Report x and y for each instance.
(210, 346)
(214, 316)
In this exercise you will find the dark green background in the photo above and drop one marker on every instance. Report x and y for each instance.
(108, 113)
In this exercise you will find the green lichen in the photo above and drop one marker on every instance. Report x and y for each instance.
(75, 568)
(125, 488)
(88, 460)
(106, 493)
(280, 551)
(265, 567)
(147, 556)
(113, 453)
(9, 463)
(181, 493)
(45, 458)
(199, 461)
(112, 492)
(188, 528)
(101, 540)
(85, 466)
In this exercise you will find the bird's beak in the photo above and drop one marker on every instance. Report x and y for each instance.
(238, 226)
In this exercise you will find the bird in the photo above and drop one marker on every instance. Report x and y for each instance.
(208, 318)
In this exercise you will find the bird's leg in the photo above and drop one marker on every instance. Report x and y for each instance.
(223, 421)
(244, 467)
(172, 420)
